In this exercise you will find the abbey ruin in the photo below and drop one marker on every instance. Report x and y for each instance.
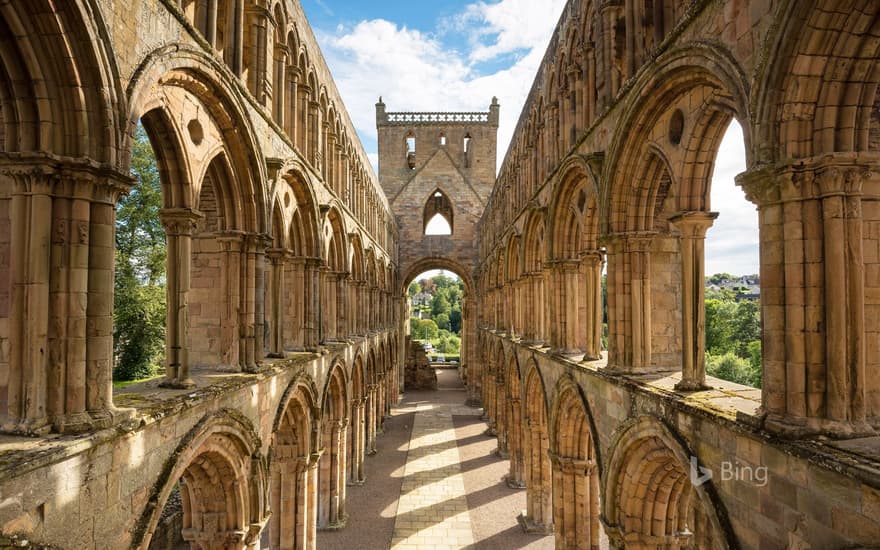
(288, 261)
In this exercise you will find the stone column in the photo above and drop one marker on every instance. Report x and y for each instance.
(99, 312)
(567, 330)
(179, 225)
(813, 296)
(277, 263)
(311, 304)
(502, 426)
(371, 420)
(342, 309)
(358, 427)
(592, 270)
(516, 477)
(261, 242)
(68, 299)
(629, 301)
(31, 226)
(575, 504)
(231, 243)
(693, 227)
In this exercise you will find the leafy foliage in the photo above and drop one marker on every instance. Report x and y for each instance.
(444, 312)
(733, 335)
(139, 300)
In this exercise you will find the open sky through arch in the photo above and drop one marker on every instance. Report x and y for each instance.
(456, 55)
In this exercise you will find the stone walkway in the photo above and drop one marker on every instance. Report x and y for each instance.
(439, 488)
(433, 510)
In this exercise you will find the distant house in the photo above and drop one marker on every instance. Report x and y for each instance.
(745, 287)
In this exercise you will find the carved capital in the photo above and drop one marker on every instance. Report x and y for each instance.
(693, 224)
(180, 222)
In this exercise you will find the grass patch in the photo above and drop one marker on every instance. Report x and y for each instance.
(126, 383)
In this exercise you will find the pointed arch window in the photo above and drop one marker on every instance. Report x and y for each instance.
(438, 214)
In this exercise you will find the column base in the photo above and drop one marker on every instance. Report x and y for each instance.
(491, 432)
(571, 354)
(274, 356)
(36, 427)
(502, 453)
(530, 526)
(356, 483)
(474, 402)
(335, 525)
(514, 483)
(186, 384)
(691, 385)
(798, 427)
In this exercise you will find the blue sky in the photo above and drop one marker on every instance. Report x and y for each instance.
(457, 55)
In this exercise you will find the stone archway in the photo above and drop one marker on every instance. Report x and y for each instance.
(575, 470)
(332, 471)
(649, 499)
(294, 469)
(538, 516)
(220, 482)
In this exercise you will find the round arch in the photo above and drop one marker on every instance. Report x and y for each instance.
(645, 453)
(190, 69)
(221, 445)
(576, 467)
(675, 74)
(539, 491)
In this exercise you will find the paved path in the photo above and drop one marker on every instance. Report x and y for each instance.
(435, 483)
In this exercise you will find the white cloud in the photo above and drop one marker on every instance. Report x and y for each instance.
(517, 25)
(732, 242)
(416, 71)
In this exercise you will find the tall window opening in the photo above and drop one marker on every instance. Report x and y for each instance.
(442, 139)
(467, 149)
(733, 286)
(411, 150)
(438, 215)
(139, 290)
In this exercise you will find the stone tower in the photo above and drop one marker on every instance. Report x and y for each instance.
(437, 163)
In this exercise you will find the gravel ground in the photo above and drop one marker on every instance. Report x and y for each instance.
(372, 507)
(493, 505)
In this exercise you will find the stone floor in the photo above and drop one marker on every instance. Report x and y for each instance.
(435, 483)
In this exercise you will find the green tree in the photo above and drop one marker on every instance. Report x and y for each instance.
(414, 288)
(442, 321)
(139, 286)
(455, 319)
(440, 304)
(719, 332)
(745, 326)
(423, 329)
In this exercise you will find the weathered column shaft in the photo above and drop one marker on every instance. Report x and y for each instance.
(693, 227)
(179, 225)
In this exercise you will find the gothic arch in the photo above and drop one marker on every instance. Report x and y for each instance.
(573, 210)
(539, 492)
(293, 466)
(716, 83)
(222, 446)
(648, 495)
(332, 469)
(832, 103)
(576, 468)
(181, 67)
(438, 203)
(55, 88)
